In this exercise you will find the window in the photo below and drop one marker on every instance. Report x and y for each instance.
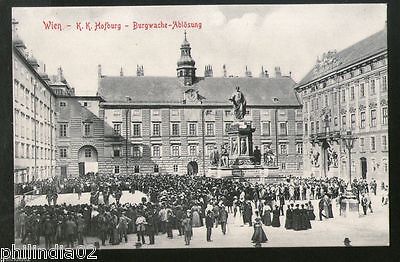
(86, 129)
(335, 121)
(175, 150)
(136, 127)
(352, 93)
(373, 118)
(373, 148)
(63, 104)
(384, 142)
(136, 112)
(192, 150)
(283, 165)
(63, 152)
(116, 151)
(283, 149)
(312, 127)
(136, 151)
(156, 129)
(85, 104)
(384, 116)
(335, 96)
(22, 150)
(362, 120)
(156, 169)
(362, 144)
(326, 100)
(299, 148)
(63, 130)
(117, 129)
(306, 128)
(27, 151)
(209, 112)
(155, 112)
(317, 127)
(175, 112)
(137, 169)
(344, 121)
(283, 128)
(362, 90)
(385, 166)
(210, 129)
(192, 129)
(299, 128)
(175, 129)
(372, 87)
(88, 152)
(116, 169)
(156, 151)
(175, 168)
(344, 95)
(266, 128)
(227, 126)
(353, 121)
(228, 113)
(384, 84)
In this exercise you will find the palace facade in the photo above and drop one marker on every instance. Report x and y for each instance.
(346, 92)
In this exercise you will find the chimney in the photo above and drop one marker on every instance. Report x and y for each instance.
(139, 70)
(248, 73)
(290, 74)
(208, 71)
(121, 72)
(224, 69)
(60, 74)
(99, 71)
(278, 73)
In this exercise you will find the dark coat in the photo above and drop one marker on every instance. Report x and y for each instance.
(259, 235)
(209, 222)
(275, 218)
(296, 219)
(289, 219)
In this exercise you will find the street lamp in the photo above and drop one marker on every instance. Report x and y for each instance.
(349, 202)
(348, 140)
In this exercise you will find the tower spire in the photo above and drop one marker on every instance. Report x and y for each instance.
(185, 66)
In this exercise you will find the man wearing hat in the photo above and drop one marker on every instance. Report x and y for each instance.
(209, 224)
(223, 218)
(187, 227)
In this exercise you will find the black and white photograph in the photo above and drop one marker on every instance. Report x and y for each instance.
(200, 126)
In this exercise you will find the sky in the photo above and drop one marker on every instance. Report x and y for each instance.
(288, 36)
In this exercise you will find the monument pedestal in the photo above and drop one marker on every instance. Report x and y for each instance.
(349, 206)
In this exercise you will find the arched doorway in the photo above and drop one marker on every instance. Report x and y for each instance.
(192, 168)
(363, 167)
(87, 158)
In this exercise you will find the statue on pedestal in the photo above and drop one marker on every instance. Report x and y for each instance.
(239, 104)
(214, 157)
(224, 156)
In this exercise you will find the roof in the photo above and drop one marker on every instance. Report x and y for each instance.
(215, 90)
(361, 50)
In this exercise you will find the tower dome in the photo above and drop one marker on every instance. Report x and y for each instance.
(186, 69)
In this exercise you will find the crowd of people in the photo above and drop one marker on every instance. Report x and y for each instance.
(174, 202)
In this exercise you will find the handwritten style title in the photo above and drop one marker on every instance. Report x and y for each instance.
(108, 26)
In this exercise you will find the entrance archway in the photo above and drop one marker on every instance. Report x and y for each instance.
(363, 167)
(192, 168)
(87, 158)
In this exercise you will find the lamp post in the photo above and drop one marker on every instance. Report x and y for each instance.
(349, 202)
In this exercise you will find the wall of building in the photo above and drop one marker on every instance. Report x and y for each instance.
(354, 92)
(34, 128)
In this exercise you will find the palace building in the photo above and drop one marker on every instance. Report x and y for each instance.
(346, 93)
(145, 124)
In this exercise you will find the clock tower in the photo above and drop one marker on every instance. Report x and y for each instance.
(186, 71)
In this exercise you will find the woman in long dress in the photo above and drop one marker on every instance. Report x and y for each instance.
(275, 217)
(196, 216)
(310, 208)
(259, 235)
(266, 217)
